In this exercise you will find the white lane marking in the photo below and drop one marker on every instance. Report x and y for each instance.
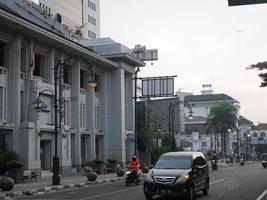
(262, 195)
(220, 180)
(115, 192)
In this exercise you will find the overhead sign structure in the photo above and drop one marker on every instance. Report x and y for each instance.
(161, 86)
(143, 54)
(245, 2)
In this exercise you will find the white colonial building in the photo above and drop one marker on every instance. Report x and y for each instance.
(96, 123)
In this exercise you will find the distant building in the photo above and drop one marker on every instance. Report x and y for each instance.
(182, 126)
(82, 16)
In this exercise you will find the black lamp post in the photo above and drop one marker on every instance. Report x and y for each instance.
(58, 108)
(39, 106)
(135, 108)
(171, 119)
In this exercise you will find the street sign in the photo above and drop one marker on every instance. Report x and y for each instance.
(244, 2)
(160, 86)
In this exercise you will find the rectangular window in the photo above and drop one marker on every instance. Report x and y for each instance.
(82, 115)
(39, 65)
(3, 103)
(91, 20)
(97, 79)
(91, 34)
(97, 117)
(66, 113)
(2, 54)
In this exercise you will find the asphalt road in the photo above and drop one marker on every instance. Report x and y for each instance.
(232, 183)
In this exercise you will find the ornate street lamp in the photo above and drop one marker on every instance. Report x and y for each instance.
(171, 118)
(92, 83)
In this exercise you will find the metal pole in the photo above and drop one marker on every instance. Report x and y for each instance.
(237, 141)
(56, 177)
(135, 110)
(170, 133)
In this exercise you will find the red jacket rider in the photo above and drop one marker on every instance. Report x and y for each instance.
(134, 164)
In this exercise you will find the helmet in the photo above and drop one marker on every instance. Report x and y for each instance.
(134, 158)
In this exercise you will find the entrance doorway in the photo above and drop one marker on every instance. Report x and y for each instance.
(45, 154)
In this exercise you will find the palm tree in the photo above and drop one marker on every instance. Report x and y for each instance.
(222, 117)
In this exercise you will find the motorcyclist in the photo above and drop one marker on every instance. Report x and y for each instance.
(135, 164)
(214, 161)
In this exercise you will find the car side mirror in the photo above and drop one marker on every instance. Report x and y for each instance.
(150, 166)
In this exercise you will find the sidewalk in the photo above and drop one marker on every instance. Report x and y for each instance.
(44, 185)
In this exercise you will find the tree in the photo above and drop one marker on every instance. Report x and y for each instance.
(261, 66)
(146, 140)
(222, 117)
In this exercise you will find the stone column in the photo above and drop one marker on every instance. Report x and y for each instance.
(90, 110)
(106, 116)
(14, 89)
(117, 108)
(75, 99)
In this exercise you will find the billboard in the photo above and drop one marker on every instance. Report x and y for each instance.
(245, 2)
(161, 86)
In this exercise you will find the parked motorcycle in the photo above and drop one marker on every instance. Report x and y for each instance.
(264, 163)
(242, 161)
(132, 176)
(214, 165)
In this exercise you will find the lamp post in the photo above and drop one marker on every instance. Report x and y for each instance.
(171, 119)
(237, 137)
(135, 108)
(248, 146)
(58, 109)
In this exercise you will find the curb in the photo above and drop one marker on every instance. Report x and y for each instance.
(46, 190)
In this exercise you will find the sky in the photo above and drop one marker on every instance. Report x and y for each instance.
(200, 41)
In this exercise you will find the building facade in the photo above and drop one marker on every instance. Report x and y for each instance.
(95, 122)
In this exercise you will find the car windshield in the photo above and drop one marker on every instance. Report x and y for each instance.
(174, 162)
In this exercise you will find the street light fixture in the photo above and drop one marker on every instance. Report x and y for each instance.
(92, 83)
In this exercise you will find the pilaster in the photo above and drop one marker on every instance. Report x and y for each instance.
(14, 89)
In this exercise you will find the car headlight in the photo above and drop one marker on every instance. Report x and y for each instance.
(148, 178)
(183, 178)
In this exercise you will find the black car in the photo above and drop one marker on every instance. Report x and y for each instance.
(178, 173)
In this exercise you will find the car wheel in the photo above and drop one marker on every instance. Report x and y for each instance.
(127, 182)
(206, 190)
(191, 193)
(148, 197)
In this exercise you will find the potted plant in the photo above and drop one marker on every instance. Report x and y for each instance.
(111, 165)
(14, 170)
(99, 168)
(13, 166)
(8, 160)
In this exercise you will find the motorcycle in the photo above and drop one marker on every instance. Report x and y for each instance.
(214, 165)
(242, 161)
(132, 176)
(264, 163)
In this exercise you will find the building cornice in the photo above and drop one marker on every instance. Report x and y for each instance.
(56, 39)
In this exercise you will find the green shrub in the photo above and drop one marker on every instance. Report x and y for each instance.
(13, 164)
(98, 161)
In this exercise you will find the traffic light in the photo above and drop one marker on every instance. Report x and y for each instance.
(244, 2)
